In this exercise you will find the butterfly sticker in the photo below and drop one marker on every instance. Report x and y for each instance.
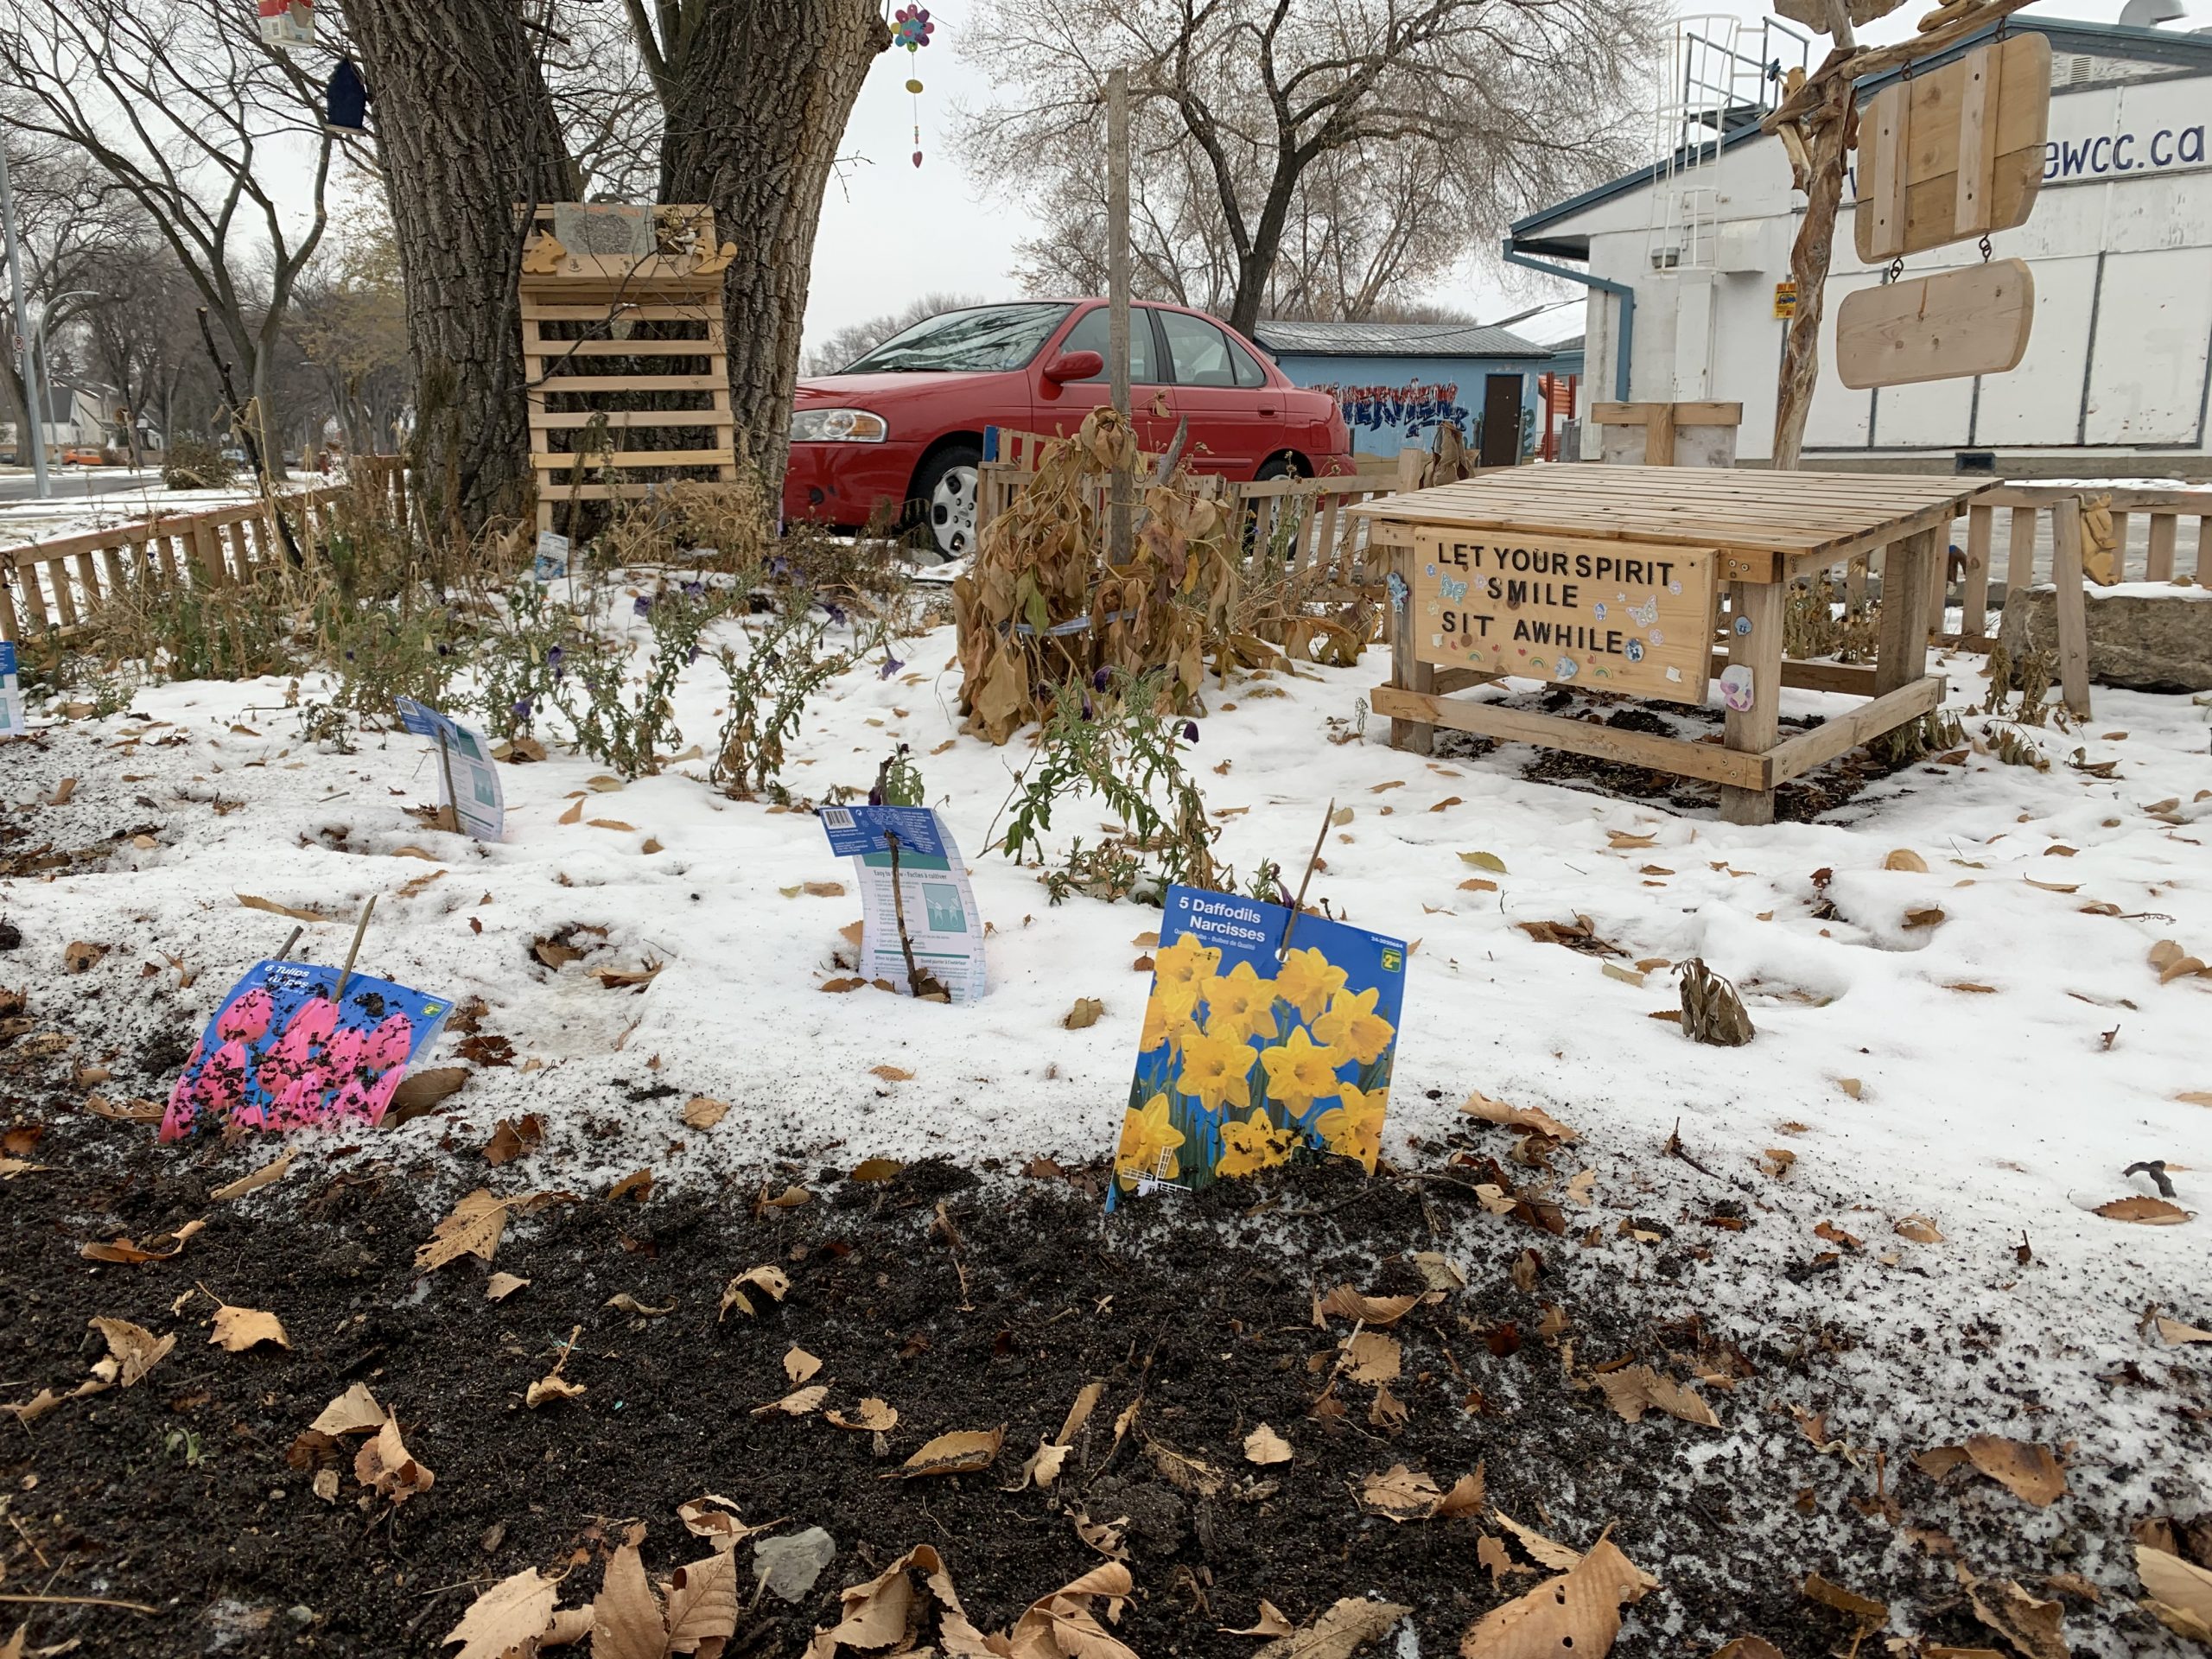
(1645, 614)
(1454, 590)
(1567, 668)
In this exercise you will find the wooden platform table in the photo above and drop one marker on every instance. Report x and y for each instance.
(1609, 579)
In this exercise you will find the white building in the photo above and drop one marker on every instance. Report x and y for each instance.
(1686, 256)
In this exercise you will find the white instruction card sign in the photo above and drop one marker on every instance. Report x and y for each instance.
(942, 924)
(468, 780)
(12, 722)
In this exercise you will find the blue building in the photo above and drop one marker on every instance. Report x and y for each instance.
(1399, 381)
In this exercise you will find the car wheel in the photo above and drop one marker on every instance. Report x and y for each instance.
(945, 497)
(1281, 467)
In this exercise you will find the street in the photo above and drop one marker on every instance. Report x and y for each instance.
(76, 483)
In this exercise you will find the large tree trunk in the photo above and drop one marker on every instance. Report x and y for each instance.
(467, 134)
(1826, 143)
(757, 102)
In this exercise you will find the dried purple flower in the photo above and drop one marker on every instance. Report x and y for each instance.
(1099, 679)
(891, 665)
(643, 605)
(1190, 731)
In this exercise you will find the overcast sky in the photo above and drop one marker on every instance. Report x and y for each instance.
(891, 232)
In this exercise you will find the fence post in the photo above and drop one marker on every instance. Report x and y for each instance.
(2072, 606)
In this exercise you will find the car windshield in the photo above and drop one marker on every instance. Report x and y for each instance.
(987, 340)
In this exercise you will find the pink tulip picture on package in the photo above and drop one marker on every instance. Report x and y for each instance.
(282, 1053)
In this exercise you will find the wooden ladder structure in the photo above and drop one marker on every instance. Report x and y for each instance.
(630, 345)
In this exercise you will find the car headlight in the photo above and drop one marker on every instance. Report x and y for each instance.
(837, 426)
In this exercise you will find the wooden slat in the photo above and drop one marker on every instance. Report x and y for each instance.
(560, 348)
(2119, 545)
(580, 383)
(536, 310)
(1686, 414)
(617, 420)
(1705, 760)
(2158, 564)
(2204, 552)
(1884, 174)
(2043, 495)
(2073, 612)
(1846, 732)
(568, 463)
(1901, 654)
(1978, 104)
(2019, 550)
(88, 578)
(1753, 731)
(65, 597)
(1981, 537)
(30, 599)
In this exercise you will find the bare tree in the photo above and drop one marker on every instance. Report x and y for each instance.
(350, 323)
(140, 331)
(1323, 157)
(756, 94)
(189, 116)
(855, 339)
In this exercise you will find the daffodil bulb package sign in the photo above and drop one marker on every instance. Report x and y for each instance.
(469, 781)
(942, 925)
(1247, 1054)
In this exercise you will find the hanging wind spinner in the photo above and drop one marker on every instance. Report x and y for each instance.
(911, 28)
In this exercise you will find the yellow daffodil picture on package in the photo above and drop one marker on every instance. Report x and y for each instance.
(1251, 1051)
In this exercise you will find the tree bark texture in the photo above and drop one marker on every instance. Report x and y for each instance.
(757, 102)
(467, 135)
(1826, 143)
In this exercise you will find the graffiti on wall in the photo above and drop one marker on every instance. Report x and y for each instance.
(1410, 407)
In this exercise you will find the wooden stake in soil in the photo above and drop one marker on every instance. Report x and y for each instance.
(1298, 904)
(359, 928)
(449, 814)
(925, 987)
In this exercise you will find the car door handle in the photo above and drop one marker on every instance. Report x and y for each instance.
(1268, 409)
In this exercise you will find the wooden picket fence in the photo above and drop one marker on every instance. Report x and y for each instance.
(49, 590)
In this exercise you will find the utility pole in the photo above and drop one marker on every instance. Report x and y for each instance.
(1120, 504)
(34, 394)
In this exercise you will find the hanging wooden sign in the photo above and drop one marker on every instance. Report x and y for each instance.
(1974, 321)
(1955, 153)
(1604, 615)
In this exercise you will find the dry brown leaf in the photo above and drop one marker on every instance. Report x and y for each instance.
(238, 1329)
(474, 1228)
(1347, 1625)
(2028, 1471)
(626, 1622)
(383, 1465)
(2035, 1628)
(637, 1185)
(876, 1614)
(132, 1351)
(252, 901)
(771, 1279)
(163, 1248)
(702, 1605)
(1264, 1445)
(2179, 1592)
(1853, 1087)
(891, 1073)
(870, 1413)
(1271, 1623)
(1903, 858)
(1919, 1229)
(798, 1365)
(275, 1171)
(2175, 1332)
(826, 889)
(1193, 1475)
(1633, 1390)
(512, 1615)
(575, 814)
(1374, 1356)
(798, 1403)
(2149, 1213)
(1927, 916)
(1480, 1105)
(612, 823)
(1085, 1013)
(551, 1391)
(1401, 1494)
(703, 1112)
(1346, 1303)
(512, 1139)
(1439, 1271)
(1622, 841)
(354, 1412)
(500, 1286)
(871, 1171)
(1750, 1647)
(715, 1518)
(1867, 1612)
(1579, 1612)
(961, 1452)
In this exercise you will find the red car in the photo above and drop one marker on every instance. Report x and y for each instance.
(902, 428)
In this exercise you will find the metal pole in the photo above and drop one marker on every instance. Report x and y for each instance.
(1117, 294)
(32, 397)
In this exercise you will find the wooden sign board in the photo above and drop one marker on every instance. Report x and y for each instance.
(1974, 321)
(1955, 153)
(1634, 617)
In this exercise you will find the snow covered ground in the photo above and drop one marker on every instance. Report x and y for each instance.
(73, 508)
(1985, 1042)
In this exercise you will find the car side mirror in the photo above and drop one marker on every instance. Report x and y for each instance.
(1074, 365)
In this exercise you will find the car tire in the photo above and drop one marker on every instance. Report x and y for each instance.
(945, 499)
(1280, 466)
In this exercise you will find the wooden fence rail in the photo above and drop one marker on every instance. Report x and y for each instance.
(49, 590)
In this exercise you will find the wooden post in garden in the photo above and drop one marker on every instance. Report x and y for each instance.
(1120, 506)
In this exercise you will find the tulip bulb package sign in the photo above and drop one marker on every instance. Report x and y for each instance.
(469, 781)
(1246, 1055)
(11, 693)
(284, 1053)
(1606, 616)
(942, 925)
